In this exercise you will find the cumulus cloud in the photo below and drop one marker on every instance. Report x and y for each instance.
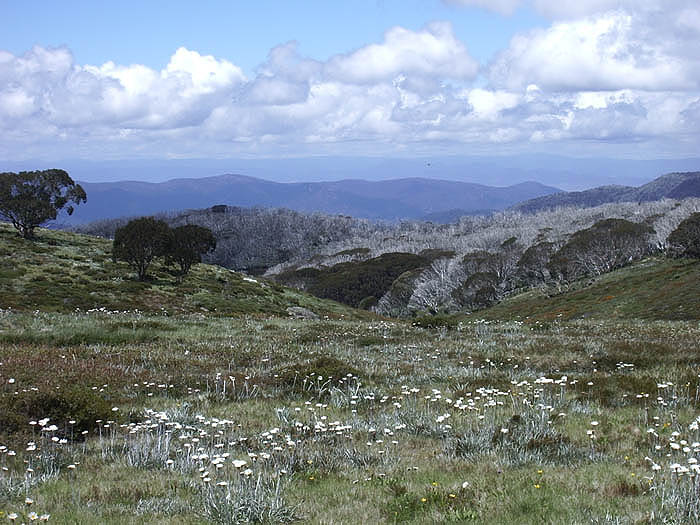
(489, 104)
(201, 74)
(609, 51)
(47, 85)
(285, 78)
(182, 94)
(16, 103)
(603, 78)
(432, 51)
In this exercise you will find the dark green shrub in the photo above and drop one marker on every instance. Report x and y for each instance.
(187, 245)
(370, 340)
(397, 298)
(478, 291)
(684, 241)
(532, 265)
(354, 282)
(70, 403)
(436, 321)
(368, 302)
(351, 282)
(480, 261)
(433, 254)
(307, 273)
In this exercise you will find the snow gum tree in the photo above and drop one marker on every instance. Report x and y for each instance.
(29, 199)
(141, 241)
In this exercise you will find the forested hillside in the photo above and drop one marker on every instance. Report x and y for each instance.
(484, 259)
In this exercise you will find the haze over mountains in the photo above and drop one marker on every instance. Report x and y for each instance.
(439, 189)
(671, 186)
(567, 173)
(412, 198)
(439, 201)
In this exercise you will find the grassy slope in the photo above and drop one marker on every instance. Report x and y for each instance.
(655, 288)
(62, 271)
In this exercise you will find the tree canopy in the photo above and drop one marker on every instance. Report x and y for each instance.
(31, 198)
(605, 246)
(188, 243)
(684, 241)
(141, 241)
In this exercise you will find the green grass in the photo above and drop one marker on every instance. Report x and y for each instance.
(655, 288)
(62, 272)
(200, 371)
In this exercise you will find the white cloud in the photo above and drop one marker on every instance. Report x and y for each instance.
(201, 74)
(48, 86)
(274, 91)
(488, 104)
(432, 51)
(16, 103)
(612, 77)
(610, 51)
(285, 78)
(689, 19)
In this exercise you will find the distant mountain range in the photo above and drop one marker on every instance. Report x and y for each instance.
(672, 186)
(567, 173)
(407, 198)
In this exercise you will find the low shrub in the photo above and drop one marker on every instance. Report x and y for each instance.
(436, 321)
(70, 403)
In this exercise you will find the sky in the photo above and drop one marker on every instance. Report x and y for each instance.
(375, 78)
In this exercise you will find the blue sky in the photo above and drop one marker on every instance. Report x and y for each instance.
(130, 32)
(386, 78)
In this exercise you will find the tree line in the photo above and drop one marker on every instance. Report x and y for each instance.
(254, 239)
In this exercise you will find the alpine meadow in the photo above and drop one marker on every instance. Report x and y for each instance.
(337, 263)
